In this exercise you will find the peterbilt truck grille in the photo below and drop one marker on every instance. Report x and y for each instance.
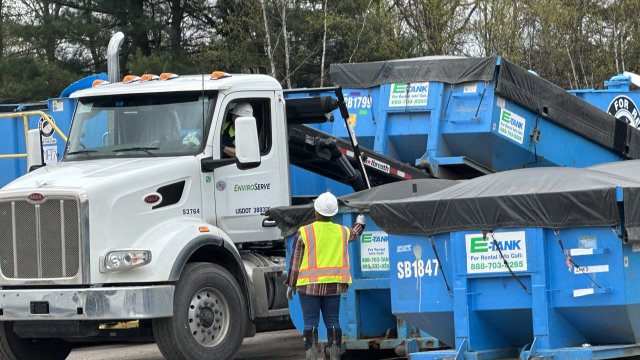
(39, 241)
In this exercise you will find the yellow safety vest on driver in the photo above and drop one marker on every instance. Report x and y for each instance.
(232, 129)
(326, 254)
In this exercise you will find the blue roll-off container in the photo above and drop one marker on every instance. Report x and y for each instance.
(447, 116)
(562, 314)
(573, 292)
(617, 98)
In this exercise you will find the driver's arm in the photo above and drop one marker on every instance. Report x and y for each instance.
(229, 151)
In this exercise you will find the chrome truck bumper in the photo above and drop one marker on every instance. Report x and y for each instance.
(116, 303)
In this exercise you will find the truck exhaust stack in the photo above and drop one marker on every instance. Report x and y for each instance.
(113, 56)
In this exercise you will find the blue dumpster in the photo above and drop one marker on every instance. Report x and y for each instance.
(531, 271)
(462, 117)
(365, 312)
(617, 99)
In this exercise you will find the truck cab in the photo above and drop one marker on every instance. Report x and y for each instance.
(146, 218)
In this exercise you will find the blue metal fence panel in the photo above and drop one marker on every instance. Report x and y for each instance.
(13, 140)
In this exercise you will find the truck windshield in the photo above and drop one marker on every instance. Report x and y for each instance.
(140, 125)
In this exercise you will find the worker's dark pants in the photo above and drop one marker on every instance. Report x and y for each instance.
(311, 307)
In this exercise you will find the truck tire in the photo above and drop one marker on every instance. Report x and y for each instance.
(13, 347)
(209, 316)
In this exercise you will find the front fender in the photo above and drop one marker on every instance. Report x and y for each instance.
(198, 243)
(166, 242)
(224, 253)
(175, 243)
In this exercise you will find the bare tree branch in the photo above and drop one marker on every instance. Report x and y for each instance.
(324, 44)
(364, 22)
(283, 14)
(267, 35)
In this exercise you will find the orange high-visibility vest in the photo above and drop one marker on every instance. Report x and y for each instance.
(326, 254)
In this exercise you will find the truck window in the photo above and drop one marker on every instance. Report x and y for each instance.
(261, 110)
(140, 125)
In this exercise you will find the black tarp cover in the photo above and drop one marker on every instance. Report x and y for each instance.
(450, 70)
(511, 82)
(290, 218)
(538, 197)
(543, 97)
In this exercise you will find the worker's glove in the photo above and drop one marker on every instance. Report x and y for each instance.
(358, 227)
(290, 292)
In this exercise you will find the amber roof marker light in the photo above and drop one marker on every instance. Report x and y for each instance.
(168, 76)
(216, 75)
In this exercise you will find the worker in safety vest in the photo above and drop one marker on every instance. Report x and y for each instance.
(228, 127)
(319, 272)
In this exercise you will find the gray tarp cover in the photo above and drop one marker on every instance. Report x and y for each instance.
(539, 197)
(511, 82)
(290, 218)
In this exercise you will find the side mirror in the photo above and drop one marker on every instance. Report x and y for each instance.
(34, 150)
(247, 143)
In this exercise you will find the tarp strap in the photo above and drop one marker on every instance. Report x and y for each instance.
(620, 137)
(444, 277)
(486, 85)
(506, 263)
(446, 107)
(534, 140)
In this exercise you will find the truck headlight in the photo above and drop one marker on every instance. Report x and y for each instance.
(118, 260)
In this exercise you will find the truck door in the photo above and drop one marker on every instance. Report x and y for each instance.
(242, 196)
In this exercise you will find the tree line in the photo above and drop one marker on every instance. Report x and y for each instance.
(47, 44)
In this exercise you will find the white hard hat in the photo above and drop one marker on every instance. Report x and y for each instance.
(243, 109)
(326, 204)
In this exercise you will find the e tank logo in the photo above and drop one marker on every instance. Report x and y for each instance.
(480, 245)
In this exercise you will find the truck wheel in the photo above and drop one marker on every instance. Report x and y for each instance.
(209, 316)
(13, 347)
